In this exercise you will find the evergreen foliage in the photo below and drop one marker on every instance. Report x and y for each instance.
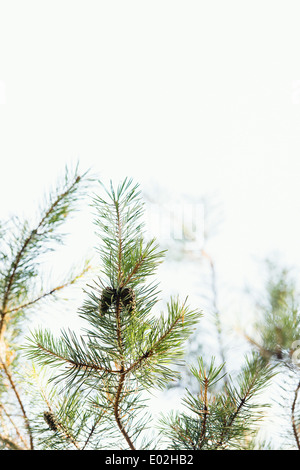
(125, 349)
(89, 389)
(276, 338)
(23, 243)
(278, 324)
(217, 421)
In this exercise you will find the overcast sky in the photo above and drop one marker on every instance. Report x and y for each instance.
(193, 97)
(197, 97)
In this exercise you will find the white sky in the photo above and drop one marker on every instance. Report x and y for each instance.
(201, 97)
(194, 96)
(197, 97)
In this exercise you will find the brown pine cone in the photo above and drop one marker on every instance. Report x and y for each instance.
(50, 420)
(128, 298)
(107, 298)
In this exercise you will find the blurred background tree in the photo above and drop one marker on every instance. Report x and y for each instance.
(267, 320)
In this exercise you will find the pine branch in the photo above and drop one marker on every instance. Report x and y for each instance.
(125, 348)
(56, 425)
(43, 348)
(93, 429)
(279, 322)
(294, 424)
(205, 412)
(218, 421)
(120, 248)
(117, 412)
(10, 279)
(18, 397)
(10, 443)
(253, 378)
(119, 330)
(21, 268)
(21, 247)
(14, 426)
(50, 293)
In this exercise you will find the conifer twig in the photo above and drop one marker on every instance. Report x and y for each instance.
(10, 443)
(117, 412)
(122, 376)
(81, 365)
(294, 425)
(13, 387)
(93, 428)
(51, 292)
(56, 425)
(14, 426)
(9, 282)
(205, 411)
(242, 403)
(12, 273)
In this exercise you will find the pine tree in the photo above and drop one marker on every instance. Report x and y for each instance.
(89, 389)
(23, 244)
(276, 337)
(124, 349)
(128, 349)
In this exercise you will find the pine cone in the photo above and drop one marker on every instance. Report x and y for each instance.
(128, 298)
(107, 298)
(50, 420)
